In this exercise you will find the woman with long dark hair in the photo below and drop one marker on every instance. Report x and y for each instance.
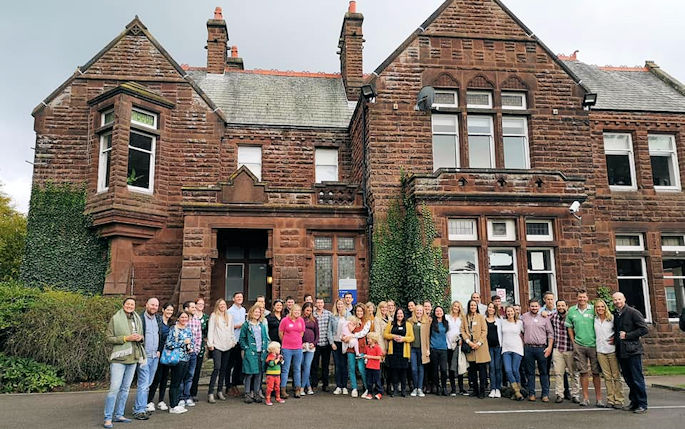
(438, 348)
(474, 332)
(400, 335)
(162, 374)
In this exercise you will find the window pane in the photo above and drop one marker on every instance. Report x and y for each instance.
(445, 97)
(143, 118)
(108, 117)
(660, 142)
(462, 285)
(256, 282)
(234, 279)
(462, 259)
(632, 289)
(138, 169)
(516, 101)
(515, 126)
(501, 260)
(675, 287)
(346, 267)
(444, 151)
(480, 125)
(537, 228)
(256, 169)
(324, 277)
(629, 267)
(326, 173)
(445, 124)
(249, 155)
(515, 152)
(628, 240)
(617, 142)
(323, 243)
(539, 283)
(478, 99)
(106, 160)
(662, 170)
(141, 141)
(539, 260)
(672, 240)
(461, 228)
(235, 252)
(345, 243)
(326, 156)
(499, 229)
(618, 170)
(503, 281)
(479, 152)
(256, 252)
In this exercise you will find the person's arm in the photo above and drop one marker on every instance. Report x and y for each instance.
(410, 333)
(386, 334)
(210, 332)
(569, 326)
(111, 337)
(364, 331)
(550, 337)
(330, 331)
(316, 332)
(242, 339)
(639, 327)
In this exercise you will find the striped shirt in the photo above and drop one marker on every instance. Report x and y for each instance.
(562, 341)
(323, 319)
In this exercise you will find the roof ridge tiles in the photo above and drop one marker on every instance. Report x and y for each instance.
(271, 72)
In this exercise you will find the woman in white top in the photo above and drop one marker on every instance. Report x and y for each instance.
(454, 353)
(220, 340)
(606, 355)
(512, 349)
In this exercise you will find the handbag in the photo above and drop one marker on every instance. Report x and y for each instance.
(171, 357)
(465, 347)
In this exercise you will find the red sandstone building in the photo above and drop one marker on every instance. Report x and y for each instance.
(211, 180)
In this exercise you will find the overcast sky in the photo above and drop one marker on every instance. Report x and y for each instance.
(44, 42)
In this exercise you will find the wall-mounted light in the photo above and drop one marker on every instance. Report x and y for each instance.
(269, 280)
(590, 99)
(368, 92)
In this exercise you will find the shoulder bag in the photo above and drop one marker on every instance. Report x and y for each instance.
(465, 347)
(171, 357)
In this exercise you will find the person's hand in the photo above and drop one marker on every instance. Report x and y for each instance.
(158, 354)
(622, 335)
(334, 347)
(187, 341)
(545, 313)
(548, 351)
(210, 348)
(134, 338)
(611, 340)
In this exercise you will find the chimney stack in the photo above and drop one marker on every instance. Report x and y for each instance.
(217, 40)
(234, 61)
(350, 45)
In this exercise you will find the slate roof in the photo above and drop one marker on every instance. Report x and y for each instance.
(635, 89)
(302, 100)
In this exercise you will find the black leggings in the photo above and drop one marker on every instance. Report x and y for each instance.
(160, 380)
(178, 373)
(439, 360)
(476, 371)
(399, 376)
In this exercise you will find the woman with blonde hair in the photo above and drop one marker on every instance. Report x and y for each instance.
(220, 340)
(254, 340)
(335, 328)
(291, 330)
(455, 358)
(420, 348)
(606, 355)
(512, 349)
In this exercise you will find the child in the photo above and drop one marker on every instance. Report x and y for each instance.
(353, 343)
(273, 372)
(374, 354)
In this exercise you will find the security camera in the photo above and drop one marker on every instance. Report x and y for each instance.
(575, 207)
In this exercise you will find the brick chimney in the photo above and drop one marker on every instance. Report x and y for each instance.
(234, 61)
(350, 45)
(217, 38)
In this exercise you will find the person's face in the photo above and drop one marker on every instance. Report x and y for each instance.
(222, 306)
(534, 307)
(370, 308)
(427, 307)
(600, 309)
(359, 312)
(129, 306)
(190, 307)
(497, 302)
(258, 313)
(296, 312)
(200, 305)
(168, 312)
(418, 311)
(582, 299)
(383, 309)
(261, 302)
(391, 307)
(476, 297)
(183, 318)
(411, 305)
(289, 303)
(473, 307)
(562, 307)
(340, 306)
(319, 304)
(399, 315)
(152, 306)
(308, 298)
(238, 299)
(278, 307)
(517, 309)
(491, 309)
(619, 300)
(439, 312)
(307, 311)
(549, 301)
(510, 313)
(348, 299)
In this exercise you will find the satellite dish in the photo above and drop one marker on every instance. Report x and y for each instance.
(425, 99)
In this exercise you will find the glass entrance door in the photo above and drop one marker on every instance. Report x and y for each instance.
(235, 279)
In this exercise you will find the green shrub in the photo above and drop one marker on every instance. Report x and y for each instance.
(24, 375)
(66, 330)
(15, 299)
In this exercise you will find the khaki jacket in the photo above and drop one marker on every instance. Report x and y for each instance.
(478, 332)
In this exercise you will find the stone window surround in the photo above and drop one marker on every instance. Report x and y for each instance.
(335, 252)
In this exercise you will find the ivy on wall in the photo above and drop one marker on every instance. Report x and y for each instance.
(62, 250)
(406, 264)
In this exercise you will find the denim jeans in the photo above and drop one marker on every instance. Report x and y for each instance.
(188, 378)
(358, 364)
(416, 367)
(631, 367)
(495, 368)
(307, 358)
(294, 356)
(531, 355)
(120, 378)
(253, 383)
(340, 361)
(146, 373)
(512, 363)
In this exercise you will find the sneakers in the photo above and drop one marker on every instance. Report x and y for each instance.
(420, 393)
(366, 396)
(601, 404)
(268, 402)
(355, 393)
(162, 406)
(366, 392)
(248, 399)
(492, 393)
(280, 400)
(584, 403)
(310, 391)
(189, 403)
(559, 399)
(182, 403)
(150, 407)
(140, 416)
(413, 392)
(344, 391)
(178, 409)
(337, 391)
(498, 393)
(545, 399)
(378, 396)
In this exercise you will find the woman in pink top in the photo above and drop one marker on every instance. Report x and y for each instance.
(290, 330)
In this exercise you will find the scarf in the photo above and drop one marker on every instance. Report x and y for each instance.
(122, 326)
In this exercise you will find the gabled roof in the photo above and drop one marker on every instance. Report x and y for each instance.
(631, 89)
(135, 27)
(278, 98)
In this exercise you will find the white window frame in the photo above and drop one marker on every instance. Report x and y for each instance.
(548, 237)
(491, 135)
(319, 154)
(151, 152)
(673, 159)
(455, 134)
(517, 297)
(645, 285)
(511, 230)
(637, 248)
(479, 106)
(104, 154)
(462, 237)
(526, 149)
(551, 271)
(140, 124)
(631, 161)
(524, 104)
(673, 319)
(252, 166)
(475, 272)
(672, 248)
(102, 117)
(446, 91)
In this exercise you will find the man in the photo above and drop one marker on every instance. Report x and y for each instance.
(195, 326)
(629, 326)
(517, 310)
(261, 300)
(234, 369)
(308, 298)
(549, 306)
(347, 297)
(482, 308)
(204, 324)
(152, 323)
(562, 355)
(538, 339)
(289, 302)
(499, 310)
(323, 347)
(580, 322)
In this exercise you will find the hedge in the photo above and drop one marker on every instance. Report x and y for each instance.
(22, 375)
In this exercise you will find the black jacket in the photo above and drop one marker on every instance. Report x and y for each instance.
(682, 320)
(633, 324)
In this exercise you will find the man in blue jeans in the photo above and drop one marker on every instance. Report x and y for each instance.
(538, 338)
(152, 323)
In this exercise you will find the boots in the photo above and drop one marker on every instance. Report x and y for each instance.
(220, 395)
(517, 391)
(210, 398)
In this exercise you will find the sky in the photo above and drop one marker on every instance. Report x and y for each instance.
(43, 42)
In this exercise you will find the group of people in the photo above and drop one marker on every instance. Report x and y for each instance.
(395, 351)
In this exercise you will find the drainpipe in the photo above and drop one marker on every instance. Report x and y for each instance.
(365, 169)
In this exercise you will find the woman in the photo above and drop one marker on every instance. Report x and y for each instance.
(309, 341)
(334, 334)
(606, 355)
(180, 338)
(362, 327)
(254, 341)
(290, 331)
(125, 332)
(220, 340)
(204, 324)
(495, 347)
(474, 332)
(379, 323)
(400, 335)
(454, 353)
(162, 374)
(273, 320)
(420, 348)
(512, 349)
(438, 348)
(370, 311)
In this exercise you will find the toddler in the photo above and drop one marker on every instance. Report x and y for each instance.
(353, 343)
(374, 354)
(273, 372)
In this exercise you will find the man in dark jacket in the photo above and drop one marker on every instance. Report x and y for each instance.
(629, 326)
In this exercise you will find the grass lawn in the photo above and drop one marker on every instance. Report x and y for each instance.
(665, 370)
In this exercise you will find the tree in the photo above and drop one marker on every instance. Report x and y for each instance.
(12, 238)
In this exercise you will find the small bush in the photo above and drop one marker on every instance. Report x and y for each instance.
(15, 299)
(24, 375)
